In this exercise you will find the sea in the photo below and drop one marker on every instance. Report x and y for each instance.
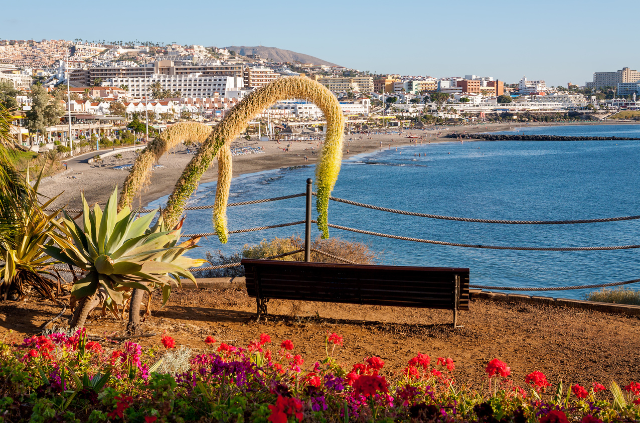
(511, 180)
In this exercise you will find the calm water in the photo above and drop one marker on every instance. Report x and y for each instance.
(493, 180)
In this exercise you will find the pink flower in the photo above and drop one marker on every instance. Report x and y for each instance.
(210, 340)
(497, 367)
(287, 345)
(579, 391)
(168, 341)
(264, 338)
(335, 339)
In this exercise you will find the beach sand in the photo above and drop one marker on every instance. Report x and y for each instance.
(98, 180)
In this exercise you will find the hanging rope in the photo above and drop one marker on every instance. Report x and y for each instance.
(468, 219)
(489, 247)
(559, 288)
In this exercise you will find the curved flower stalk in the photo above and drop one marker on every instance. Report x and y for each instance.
(141, 170)
(235, 122)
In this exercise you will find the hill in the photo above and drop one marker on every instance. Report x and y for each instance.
(279, 55)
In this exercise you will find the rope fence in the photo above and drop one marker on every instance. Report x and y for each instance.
(412, 239)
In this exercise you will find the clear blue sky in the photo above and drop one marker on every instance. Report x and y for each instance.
(558, 41)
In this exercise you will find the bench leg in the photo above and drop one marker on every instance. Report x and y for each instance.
(261, 307)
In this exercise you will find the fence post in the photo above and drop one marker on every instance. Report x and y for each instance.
(307, 225)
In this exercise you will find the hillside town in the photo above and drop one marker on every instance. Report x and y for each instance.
(64, 90)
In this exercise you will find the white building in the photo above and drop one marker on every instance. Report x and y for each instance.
(303, 109)
(189, 85)
(526, 87)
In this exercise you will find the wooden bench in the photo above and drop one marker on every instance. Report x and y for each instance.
(399, 286)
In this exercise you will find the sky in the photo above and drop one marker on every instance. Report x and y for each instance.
(557, 41)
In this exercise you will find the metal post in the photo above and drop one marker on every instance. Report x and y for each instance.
(307, 226)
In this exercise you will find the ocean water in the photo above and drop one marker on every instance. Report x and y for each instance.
(517, 180)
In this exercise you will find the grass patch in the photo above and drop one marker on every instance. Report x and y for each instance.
(20, 158)
(626, 114)
(618, 296)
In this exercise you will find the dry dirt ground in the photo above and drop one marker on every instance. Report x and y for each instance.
(574, 345)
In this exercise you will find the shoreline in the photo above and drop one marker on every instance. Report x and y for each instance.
(98, 181)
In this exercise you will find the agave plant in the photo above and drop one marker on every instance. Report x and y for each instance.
(26, 230)
(120, 253)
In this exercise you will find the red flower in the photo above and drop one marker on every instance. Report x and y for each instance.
(93, 346)
(335, 339)
(297, 360)
(447, 362)
(420, 360)
(412, 372)
(590, 419)
(436, 373)
(636, 401)
(264, 338)
(519, 391)
(579, 391)
(369, 385)
(375, 363)
(226, 348)
(150, 419)
(168, 341)
(314, 381)
(597, 387)
(496, 366)
(284, 408)
(210, 340)
(287, 345)
(352, 377)
(537, 379)
(123, 402)
(554, 416)
(633, 387)
(33, 353)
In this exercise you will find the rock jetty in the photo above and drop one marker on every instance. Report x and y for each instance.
(523, 137)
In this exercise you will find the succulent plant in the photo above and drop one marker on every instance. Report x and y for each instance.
(119, 253)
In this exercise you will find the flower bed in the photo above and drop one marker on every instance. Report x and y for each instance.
(70, 378)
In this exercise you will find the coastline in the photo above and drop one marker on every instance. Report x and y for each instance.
(98, 181)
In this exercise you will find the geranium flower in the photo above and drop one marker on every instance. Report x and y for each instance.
(375, 363)
(497, 367)
(122, 403)
(150, 419)
(633, 387)
(335, 339)
(225, 348)
(210, 340)
(537, 379)
(352, 377)
(420, 360)
(590, 419)
(287, 345)
(314, 381)
(597, 387)
(264, 338)
(369, 385)
(411, 372)
(284, 408)
(93, 346)
(579, 391)
(168, 341)
(554, 416)
(447, 362)
(298, 360)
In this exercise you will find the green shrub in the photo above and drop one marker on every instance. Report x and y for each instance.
(63, 149)
(620, 295)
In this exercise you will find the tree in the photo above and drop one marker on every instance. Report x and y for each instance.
(185, 115)
(97, 82)
(117, 109)
(390, 101)
(504, 99)
(439, 98)
(45, 110)
(8, 95)
(464, 100)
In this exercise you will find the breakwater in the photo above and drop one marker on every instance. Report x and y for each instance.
(524, 137)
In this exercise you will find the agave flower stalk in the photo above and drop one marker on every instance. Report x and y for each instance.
(226, 131)
(120, 253)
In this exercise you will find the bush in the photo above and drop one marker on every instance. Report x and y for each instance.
(63, 149)
(619, 296)
(353, 251)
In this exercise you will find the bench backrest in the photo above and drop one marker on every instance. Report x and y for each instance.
(426, 287)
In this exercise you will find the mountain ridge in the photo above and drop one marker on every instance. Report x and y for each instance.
(279, 55)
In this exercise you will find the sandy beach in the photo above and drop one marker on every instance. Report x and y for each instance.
(98, 180)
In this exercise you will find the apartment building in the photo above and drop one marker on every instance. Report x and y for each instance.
(304, 109)
(612, 79)
(20, 79)
(256, 77)
(628, 88)
(470, 86)
(363, 84)
(191, 85)
(384, 84)
(526, 87)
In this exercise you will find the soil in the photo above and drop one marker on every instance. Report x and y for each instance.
(572, 345)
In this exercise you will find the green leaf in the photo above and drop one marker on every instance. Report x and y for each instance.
(116, 296)
(128, 245)
(86, 215)
(97, 386)
(160, 267)
(126, 267)
(134, 285)
(166, 291)
(86, 286)
(156, 365)
(119, 233)
(104, 265)
(141, 224)
(97, 211)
